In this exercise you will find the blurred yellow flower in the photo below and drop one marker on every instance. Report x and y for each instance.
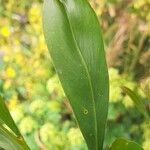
(35, 13)
(128, 102)
(139, 3)
(54, 105)
(98, 5)
(19, 59)
(10, 72)
(54, 86)
(115, 90)
(27, 125)
(47, 132)
(146, 134)
(146, 87)
(5, 31)
(75, 137)
(113, 74)
(17, 114)
(37, 107)
(41, 44)
(115, 94)
(7, 84)
(13, 101)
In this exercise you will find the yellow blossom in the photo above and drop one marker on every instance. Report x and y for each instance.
(7, 84)
(17, 114)
(139, 3)
(54, 105)
(47, 132)
(10, 72)
(19, 59)
(75, 136)
(27, 125)
(5, 31)
(128, 102)
(13, 101)
(35, 13)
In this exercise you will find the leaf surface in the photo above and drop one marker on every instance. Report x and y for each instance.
(9, 141)
(137, 101)
(5, 118)
(75, 43)
(122, 144)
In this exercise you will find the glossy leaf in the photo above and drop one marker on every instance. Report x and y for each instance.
(74, 40)
(122, 144)
(137, 101)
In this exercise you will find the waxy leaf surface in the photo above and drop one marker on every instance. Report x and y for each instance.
(73, 37)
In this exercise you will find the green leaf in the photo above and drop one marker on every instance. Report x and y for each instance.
(122, 144)
(73, 36)
(137, 101)
(5, 118)
(9, 141)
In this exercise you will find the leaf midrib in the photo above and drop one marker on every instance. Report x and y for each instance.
(86, 68)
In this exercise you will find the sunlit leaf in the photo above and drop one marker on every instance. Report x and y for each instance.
(9, 140)
(122, 144)
(137, 101)
(6, 118)
(74, 40)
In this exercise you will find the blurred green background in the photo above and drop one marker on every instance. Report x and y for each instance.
(32, 91)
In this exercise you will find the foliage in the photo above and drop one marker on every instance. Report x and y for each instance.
(137, 101)
(39, 124)
(10, 137)
(27, 74)
(125, 145)
(80, 63)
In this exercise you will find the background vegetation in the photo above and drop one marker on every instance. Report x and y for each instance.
(31, 88)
